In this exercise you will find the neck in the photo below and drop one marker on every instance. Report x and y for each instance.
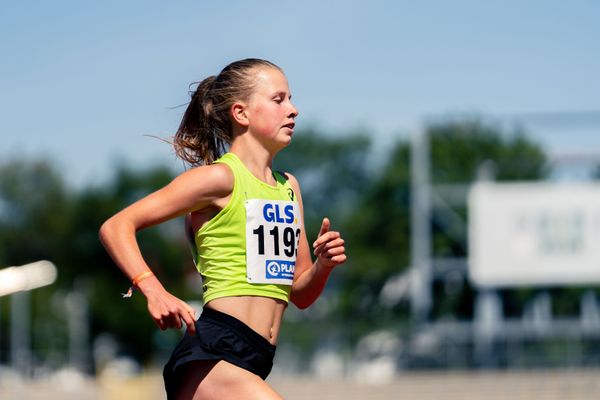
(255, 157)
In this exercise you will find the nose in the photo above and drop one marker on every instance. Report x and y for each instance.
(293, 112)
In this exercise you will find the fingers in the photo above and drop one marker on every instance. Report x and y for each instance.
(189, 317)
(325, 225)
(176, 319)
(169, 318)
(333, 247)
(327, 237)
(329, 246)
(339, 259)
(331, 253)
(159, 323)
(173, 313)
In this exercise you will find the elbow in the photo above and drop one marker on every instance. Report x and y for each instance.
(302, 304)
(115, 230)
(105, 231)
(109, 229)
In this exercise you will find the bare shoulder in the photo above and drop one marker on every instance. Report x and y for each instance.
(214, 180)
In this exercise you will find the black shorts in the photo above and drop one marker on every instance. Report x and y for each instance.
(220, 336)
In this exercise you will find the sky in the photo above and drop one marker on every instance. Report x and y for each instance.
(84, 83)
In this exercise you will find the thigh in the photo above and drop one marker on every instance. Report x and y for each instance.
(220, 380)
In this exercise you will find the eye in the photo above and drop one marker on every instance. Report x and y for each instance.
(278, 99)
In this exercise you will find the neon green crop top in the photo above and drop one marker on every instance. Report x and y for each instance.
(249, 248)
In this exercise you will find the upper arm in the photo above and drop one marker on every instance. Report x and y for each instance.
(193, 190)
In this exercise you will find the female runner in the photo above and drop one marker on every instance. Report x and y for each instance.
(247, 224)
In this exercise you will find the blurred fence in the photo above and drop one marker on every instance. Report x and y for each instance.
(534, 355)
(514, 385)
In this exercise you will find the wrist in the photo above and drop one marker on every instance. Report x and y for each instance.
(149, 286)
(322, 267)
(145, 282)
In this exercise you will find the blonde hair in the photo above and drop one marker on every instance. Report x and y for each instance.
(206, 127)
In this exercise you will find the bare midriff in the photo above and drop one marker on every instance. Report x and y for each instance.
(262, 314)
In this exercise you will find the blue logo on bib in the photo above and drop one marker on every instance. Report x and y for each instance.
(274, 213)
(280, 269)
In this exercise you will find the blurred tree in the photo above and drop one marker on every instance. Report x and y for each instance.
(33, 202)
(40, 219)
(378, 246)
(460, 148)
(379, 229)
(332, 172)
(372, 209)
(164, 249)
(463, 151)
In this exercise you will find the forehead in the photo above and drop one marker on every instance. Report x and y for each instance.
(270, 80)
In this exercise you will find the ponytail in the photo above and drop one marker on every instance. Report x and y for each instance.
(198, 139)
(206, 129)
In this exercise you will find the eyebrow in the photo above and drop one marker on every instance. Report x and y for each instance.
(283, 93)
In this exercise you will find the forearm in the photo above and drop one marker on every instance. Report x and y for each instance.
(309, 286)
(118, 237)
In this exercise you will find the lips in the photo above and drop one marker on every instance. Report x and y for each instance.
(290, 125)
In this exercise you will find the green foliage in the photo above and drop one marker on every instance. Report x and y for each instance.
(41, 219)
(461, 151)
(459, 148)
(33, 200)
(331, 171)
(378, 237)
(164, 249)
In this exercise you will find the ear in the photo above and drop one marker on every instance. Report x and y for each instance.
(238, 113)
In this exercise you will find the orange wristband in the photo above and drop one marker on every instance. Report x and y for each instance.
(141, 277)
(135, 282)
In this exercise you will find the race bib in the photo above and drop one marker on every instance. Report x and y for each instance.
(272, 237)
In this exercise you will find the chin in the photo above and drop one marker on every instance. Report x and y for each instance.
(282, 145)
(287, 139)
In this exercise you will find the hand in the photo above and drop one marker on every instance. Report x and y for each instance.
(168, 311)
(329, 246)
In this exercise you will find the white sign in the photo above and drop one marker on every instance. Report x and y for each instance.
(529, 234)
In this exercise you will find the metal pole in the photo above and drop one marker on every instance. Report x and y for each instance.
(487, 325)
(20, 340)
(0, 330)
(420, 227)
(77, 312)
